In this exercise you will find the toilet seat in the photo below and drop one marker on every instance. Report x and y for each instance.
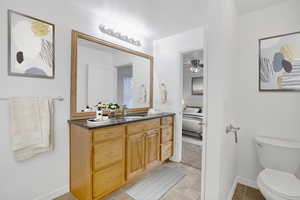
(281, 184)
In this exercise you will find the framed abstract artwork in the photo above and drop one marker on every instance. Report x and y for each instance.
(31, 49)
(279, 63)
(197, 85)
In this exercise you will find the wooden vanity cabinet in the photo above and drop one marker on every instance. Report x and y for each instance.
(97, 161)
(135, 157)
(167, 138)
(143, 140)
(152, 148)
(104, 159)
(108, 160)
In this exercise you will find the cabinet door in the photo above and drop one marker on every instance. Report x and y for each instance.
(152, 148)
(135, 155)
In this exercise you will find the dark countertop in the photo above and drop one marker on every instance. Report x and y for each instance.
(111, 122)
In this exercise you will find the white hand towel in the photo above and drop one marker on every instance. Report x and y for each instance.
(31, 125)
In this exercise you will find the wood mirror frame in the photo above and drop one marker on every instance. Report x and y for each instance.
(77, 35)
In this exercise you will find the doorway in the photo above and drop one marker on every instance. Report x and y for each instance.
(192, 107)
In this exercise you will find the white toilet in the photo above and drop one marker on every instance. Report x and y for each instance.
(281, 160)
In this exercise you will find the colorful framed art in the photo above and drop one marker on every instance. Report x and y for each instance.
(31, 47)
(279, 63)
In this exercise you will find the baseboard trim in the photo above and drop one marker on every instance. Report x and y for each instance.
(231, 193)
(241, 180)
(54, 194)
(247, 182)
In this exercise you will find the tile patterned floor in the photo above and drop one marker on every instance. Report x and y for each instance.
(187, 189)
(192, 154)
(243, 192)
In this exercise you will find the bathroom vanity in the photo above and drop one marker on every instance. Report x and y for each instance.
(105, 157)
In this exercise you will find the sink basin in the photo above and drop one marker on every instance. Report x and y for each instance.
(133, 117)
(94, 122)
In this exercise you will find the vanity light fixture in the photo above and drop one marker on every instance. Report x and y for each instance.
(118, 35)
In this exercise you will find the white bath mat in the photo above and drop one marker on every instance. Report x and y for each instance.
(154, 186)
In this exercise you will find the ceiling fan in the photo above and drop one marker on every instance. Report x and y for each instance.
(196, 65)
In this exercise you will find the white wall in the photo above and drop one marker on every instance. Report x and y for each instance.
(220, 151)
(101, 66)
(49, 172)
(189, 99)
(94, 70)
(168, 70)
(229, 162)
(273, 114)
(141, 76)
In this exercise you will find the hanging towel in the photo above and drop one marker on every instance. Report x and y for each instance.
(31, 126)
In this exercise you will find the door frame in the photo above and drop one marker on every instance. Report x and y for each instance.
(205, 111)
(205, 108)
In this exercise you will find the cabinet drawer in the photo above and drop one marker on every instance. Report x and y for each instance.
(143, 126)
(108, 133)
(152, 124)
(166, 134)
(166, 151)
(107, 180)
(166, 120)
(108, 152)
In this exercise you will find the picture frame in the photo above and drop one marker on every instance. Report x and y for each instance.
(31, 46)
(279, 63)
(197, 85)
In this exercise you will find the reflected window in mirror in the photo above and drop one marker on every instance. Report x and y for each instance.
(125, 85)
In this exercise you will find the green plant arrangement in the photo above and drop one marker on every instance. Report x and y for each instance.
(113, 106)
(101, 106)
(108, 108)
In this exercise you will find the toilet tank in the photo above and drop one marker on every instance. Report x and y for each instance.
(278, 154)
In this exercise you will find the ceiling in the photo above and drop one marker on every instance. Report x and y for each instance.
(106, 49)
(245, 6)
(192, 55)
(151, 19)
(155, 19)
(96, 46)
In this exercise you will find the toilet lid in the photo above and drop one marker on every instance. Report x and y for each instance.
(283, 184)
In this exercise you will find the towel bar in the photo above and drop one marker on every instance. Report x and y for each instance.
(56, 98)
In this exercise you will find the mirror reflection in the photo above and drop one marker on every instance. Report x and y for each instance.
(109, 75)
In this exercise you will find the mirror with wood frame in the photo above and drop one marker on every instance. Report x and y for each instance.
(108, 73)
